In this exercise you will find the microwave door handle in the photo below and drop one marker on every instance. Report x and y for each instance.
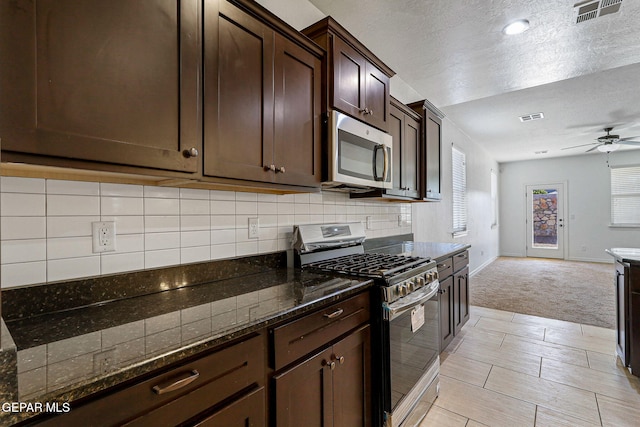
(385, 171)
(375, 163)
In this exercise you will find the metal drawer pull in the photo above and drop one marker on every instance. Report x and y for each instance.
(159, 389)
(335, 314)
(442, 266)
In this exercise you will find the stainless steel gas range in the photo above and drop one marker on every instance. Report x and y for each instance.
(406, 348)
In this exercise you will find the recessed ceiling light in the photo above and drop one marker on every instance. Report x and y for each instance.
(516, 27)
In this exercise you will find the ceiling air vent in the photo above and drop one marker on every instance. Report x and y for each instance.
(588, 10)
(531, 117)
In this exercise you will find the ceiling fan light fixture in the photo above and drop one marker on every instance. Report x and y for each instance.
(516, 27)
(608, 148)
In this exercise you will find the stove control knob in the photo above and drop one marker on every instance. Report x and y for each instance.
(402, 289)
(421, 281)
(409, 284)
(435, 275)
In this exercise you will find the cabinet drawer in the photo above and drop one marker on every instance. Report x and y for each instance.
(460, 260)
(445, 268)
(302, 336)
(249, 411)
(178, 394)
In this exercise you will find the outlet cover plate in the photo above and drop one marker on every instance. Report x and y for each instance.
(254, 228)
(104, 236)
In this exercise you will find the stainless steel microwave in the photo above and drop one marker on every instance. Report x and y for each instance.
(359, 155)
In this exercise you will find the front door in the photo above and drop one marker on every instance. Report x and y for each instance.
(545, 221)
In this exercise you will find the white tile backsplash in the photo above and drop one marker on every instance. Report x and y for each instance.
(64, 205)
(46, 225)
(18, 204)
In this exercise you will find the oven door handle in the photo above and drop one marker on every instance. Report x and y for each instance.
(405, 304)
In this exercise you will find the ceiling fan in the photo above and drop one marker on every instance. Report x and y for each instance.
(608, 143)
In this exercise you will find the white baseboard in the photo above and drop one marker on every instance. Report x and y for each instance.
(477, 270)
(608, 260)
(514, 254)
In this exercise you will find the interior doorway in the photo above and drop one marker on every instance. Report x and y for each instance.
(546, 228)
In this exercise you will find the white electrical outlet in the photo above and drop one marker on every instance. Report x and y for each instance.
(399, 220)
(254, 228)
(369, 223)
(104, 236)
(104, 361)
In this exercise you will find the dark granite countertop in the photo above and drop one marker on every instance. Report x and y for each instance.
(433, 250)
(68, 354)
(628, 255)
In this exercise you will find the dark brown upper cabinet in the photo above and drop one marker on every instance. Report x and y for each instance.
(99, 84)
(357, 82)
(431, 154)
(262, 100)
(405, 128)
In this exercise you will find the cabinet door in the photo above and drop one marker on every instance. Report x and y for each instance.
(376, 97)
(349, 73)
(433, 133)
(446, 312)
(304, 393)
(248, 411)
(410, 157)
(109, 82)
(461, 299)
(352, 380)
(238, 93)
(622, 314)
(298, 85)
(396, 129)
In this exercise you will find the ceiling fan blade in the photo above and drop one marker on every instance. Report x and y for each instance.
(629, 138)
(594, 148)
(629, 142)
(582, 145)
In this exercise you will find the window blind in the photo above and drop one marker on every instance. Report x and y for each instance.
(494, 198)
(625, 195)
(459, 170)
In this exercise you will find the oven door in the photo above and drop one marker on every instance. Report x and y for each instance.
(361, 154)
(412, 324)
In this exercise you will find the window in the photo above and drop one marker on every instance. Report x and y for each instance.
(459, 168)
(494, 198)
(625, 195)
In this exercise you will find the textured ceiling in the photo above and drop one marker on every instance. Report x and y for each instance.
(583, 77)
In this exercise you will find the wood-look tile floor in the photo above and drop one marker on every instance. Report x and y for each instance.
(514, 370)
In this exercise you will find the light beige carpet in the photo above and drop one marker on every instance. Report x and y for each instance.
(581, 292)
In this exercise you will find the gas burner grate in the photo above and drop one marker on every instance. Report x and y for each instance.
(369, 264)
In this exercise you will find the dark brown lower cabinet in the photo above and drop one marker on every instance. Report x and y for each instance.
(184, 393)
(446, 312)
(454, 295)
(329, 388)
(461, 299)
(622, 313)
(248, 411)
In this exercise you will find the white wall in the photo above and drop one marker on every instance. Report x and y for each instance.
(587, 199)
(433, 221)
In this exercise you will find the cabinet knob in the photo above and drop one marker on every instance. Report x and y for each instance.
(270, 167)
(191, 152)
(280, 169)
(331, 365)
(338, 359)
(365, 111)
(371, 112)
